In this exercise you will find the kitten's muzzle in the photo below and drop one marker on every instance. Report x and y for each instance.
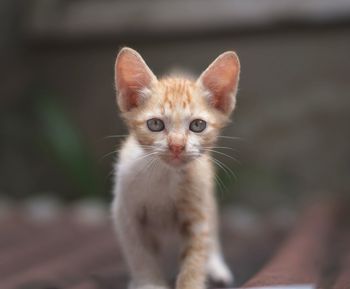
(176, 149)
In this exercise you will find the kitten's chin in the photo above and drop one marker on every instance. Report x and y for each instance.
(177, 162)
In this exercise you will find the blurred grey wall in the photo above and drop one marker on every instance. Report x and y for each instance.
(293, 110)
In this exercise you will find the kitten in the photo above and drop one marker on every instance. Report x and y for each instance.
(164, 176)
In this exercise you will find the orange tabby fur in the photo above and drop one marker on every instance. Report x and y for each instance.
(166, 178)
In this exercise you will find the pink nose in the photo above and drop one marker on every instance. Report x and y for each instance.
(176, 149)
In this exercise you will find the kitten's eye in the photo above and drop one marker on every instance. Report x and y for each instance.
(198, 125)
(155, 124)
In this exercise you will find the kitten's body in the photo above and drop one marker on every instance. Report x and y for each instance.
(165, 178)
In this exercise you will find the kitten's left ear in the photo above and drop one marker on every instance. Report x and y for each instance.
(220, 80)
(132, 77)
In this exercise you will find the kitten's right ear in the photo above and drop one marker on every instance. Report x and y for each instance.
(132, 77)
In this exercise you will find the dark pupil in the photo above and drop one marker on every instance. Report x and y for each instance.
(198, 125)
(155, 124)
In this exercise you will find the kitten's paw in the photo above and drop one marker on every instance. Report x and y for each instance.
(219, 273)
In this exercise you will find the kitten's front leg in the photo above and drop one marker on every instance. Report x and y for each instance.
(138, 252)
(195, 254)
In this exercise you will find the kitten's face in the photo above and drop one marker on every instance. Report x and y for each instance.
(176, 119)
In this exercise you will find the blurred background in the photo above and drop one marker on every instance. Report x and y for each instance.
(57, 104)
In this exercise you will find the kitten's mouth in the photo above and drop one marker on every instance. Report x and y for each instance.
(176, 160)
(176, 157)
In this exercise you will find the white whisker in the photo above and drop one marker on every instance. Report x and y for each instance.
(108, 154)
(115, 136)
(230, 137)
(223, 154)
(146, 155)
(215, 147)
(225, 168)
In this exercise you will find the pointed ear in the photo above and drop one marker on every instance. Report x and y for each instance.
(220, 80)
(132, 78)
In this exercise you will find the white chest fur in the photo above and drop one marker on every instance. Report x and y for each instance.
(143, 183)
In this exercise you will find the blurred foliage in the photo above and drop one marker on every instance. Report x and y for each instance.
(44, 152)
(62, 141)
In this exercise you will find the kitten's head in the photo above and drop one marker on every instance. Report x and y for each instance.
(175, 118)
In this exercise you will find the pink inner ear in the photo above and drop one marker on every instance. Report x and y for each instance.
(221, 80)
(132, 75)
